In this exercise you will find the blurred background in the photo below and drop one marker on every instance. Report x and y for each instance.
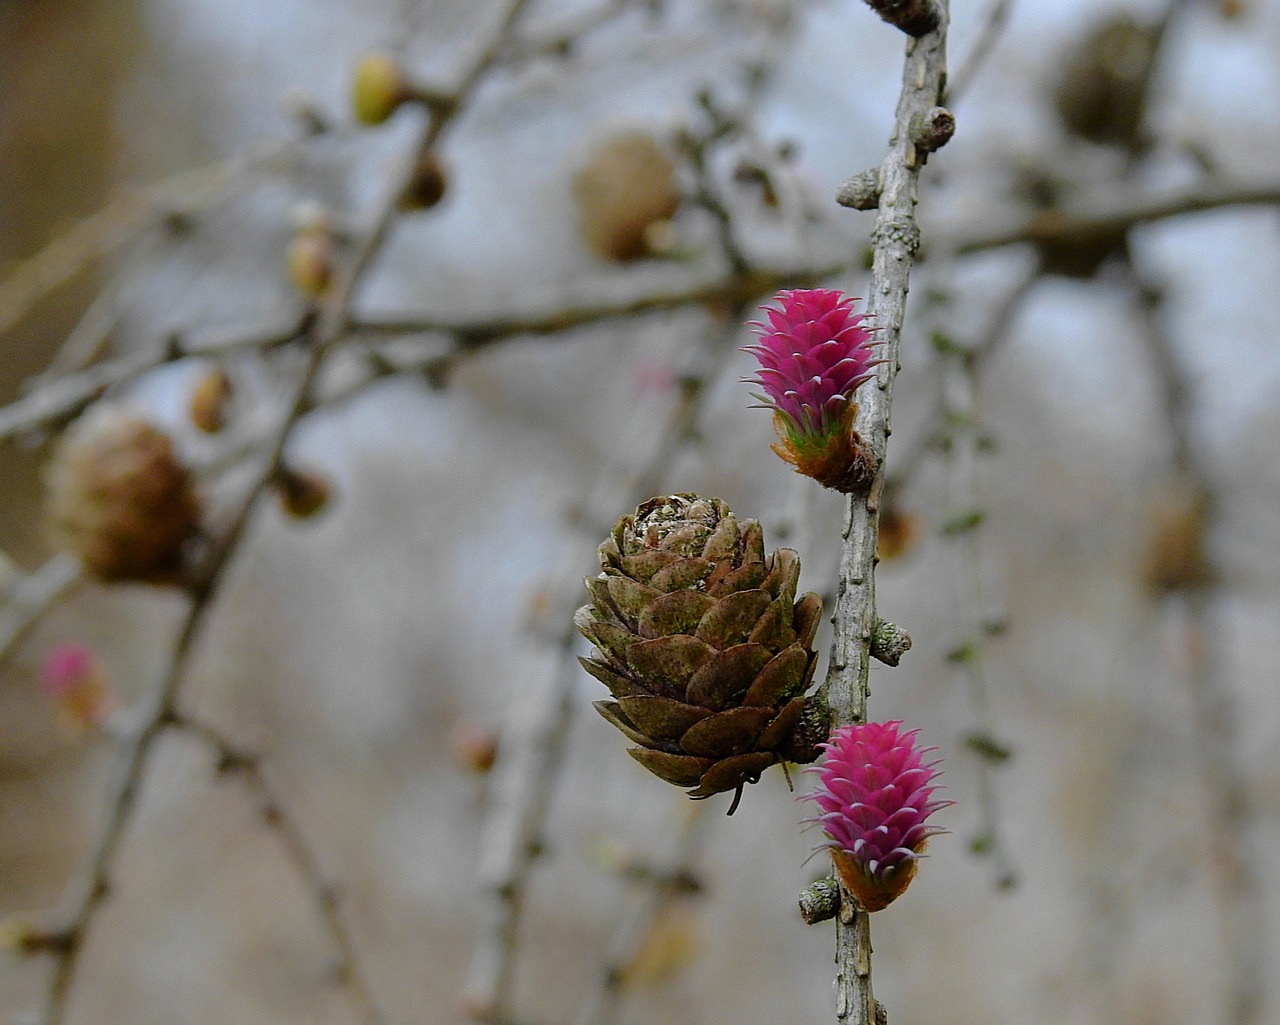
(1080, 534)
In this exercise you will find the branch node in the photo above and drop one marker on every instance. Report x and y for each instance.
(889, 642)
(931, 129)
(820, 901)
(862, 191)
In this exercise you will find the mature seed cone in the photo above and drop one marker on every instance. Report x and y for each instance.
(119, 498)
(702, 642)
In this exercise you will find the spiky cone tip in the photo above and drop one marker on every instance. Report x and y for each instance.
(814, 352)
(702, 642)
(875, 795)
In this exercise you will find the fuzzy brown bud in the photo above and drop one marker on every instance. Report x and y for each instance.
(624, 192)
(427, 185)
(473, 747)
(119, 498)
(303, 493)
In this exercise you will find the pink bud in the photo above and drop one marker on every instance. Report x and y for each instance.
(74, 677)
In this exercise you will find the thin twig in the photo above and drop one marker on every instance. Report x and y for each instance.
(635, 926)
(324, 332)
(908, 460)
(33, 596)
(963, 525)
(895, 240)
(128, 213)
(1228, 803)
(1110, 211)
(973, 64)
(276, 816)
(58, 400)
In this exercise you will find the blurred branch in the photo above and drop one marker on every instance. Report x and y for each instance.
(32, 596)
(231, 759)
(561, 40)
(895, 239)
(907, 463)
(964, 520)
(324, 332)
(1111, 211)
(996, 20)
(57, 400)
(662, 887)
(540, 717)
(1228, 803)
(86, 340)
(120, 220)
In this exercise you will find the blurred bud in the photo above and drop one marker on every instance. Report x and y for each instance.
(1175, 558)
(210, 397)
(19, 936)
(379, 87)
(671, 944)
(310, 261)
(474, 747)
(1102, 95)
(427, 186)
(1231, 8)
(611, 854)
(119, 499)
(75, 678)
(303, 493)
(899, 531)
(626, 186)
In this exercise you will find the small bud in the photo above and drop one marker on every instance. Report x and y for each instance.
(670, 944)
(874, 795)
(862, 191)
(899, 531)
(379, 87)
(626, 186)
(311, 261)
(1176, 558)
(473, 747)
(814, 353)
(209, 401)
(119, 499)
(75, 678)
(427, 186)
(20, 936)
(303, 493)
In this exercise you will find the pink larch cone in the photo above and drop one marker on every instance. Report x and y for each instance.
(814, 352)
(874, 795)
